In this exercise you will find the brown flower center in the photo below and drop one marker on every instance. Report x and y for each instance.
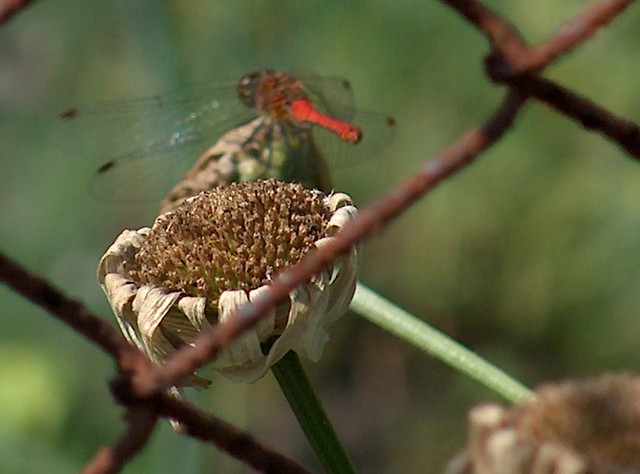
(232, 238)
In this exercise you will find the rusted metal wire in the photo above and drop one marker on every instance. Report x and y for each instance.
(570, 35)
(141, 422)
(8, 8)
(502, 36)
(208, 428)
(72, 313)
(623, 132)
(520, 58)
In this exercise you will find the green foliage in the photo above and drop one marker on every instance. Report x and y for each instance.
(529, 257)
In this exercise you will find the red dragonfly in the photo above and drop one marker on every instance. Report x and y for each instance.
(271, 124)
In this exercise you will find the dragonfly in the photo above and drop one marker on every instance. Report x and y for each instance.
(270, 124)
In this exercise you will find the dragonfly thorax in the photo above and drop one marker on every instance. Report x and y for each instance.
(271, 93)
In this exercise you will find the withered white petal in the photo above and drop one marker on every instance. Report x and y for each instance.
(122, 250)
(246, 349)
(152, 304)
(120, 292)
(194, 308)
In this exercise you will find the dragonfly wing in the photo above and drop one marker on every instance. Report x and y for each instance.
(144, 176)
(332, 95)
(150, 172)
(377, 134)
(153, 140)
(114, 129)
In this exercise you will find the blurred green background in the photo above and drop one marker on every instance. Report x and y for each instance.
(530, 256)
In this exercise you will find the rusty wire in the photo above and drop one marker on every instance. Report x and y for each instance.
(140, 386)
(8, 8)
(141, 421)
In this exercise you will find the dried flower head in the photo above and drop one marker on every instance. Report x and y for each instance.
(218, 251)
(585, 426)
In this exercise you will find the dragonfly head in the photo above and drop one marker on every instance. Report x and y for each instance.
(249, 86)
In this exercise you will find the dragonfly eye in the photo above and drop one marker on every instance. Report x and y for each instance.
(248, 88)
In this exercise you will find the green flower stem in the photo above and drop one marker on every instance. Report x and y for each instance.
(397, 321)
(312, 418)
